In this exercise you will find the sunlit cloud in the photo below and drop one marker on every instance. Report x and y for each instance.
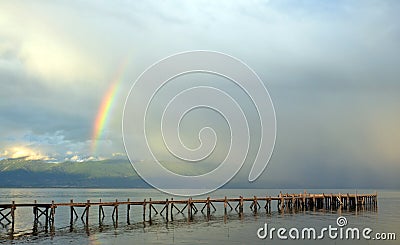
(56, 60)
(77, 158)
(118, 154)
(44, 48)
(24, 152)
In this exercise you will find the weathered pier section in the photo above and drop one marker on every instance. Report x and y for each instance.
(45, 213)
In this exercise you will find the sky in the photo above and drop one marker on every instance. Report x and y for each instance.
(331, 68)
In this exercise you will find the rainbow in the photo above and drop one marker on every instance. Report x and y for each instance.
(106, 106)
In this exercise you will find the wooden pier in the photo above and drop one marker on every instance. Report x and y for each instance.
(170, 207)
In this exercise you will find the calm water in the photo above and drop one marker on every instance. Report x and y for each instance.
(217, 230)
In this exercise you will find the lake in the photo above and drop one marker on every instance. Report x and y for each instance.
(219, 229)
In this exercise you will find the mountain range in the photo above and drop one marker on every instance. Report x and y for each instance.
(36, 173)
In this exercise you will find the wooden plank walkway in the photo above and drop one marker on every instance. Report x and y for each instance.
(285, 202)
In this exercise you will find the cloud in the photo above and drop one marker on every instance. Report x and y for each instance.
(77, 158)
(24, 152)
(43, 47)
(119, 155)
(331, 69)
(55, 145)
(55, 60)
(49, 139)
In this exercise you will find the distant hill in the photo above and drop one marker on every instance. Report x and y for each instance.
(111, 173)
(36, 173)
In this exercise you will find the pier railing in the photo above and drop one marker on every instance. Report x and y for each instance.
(285, 202)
